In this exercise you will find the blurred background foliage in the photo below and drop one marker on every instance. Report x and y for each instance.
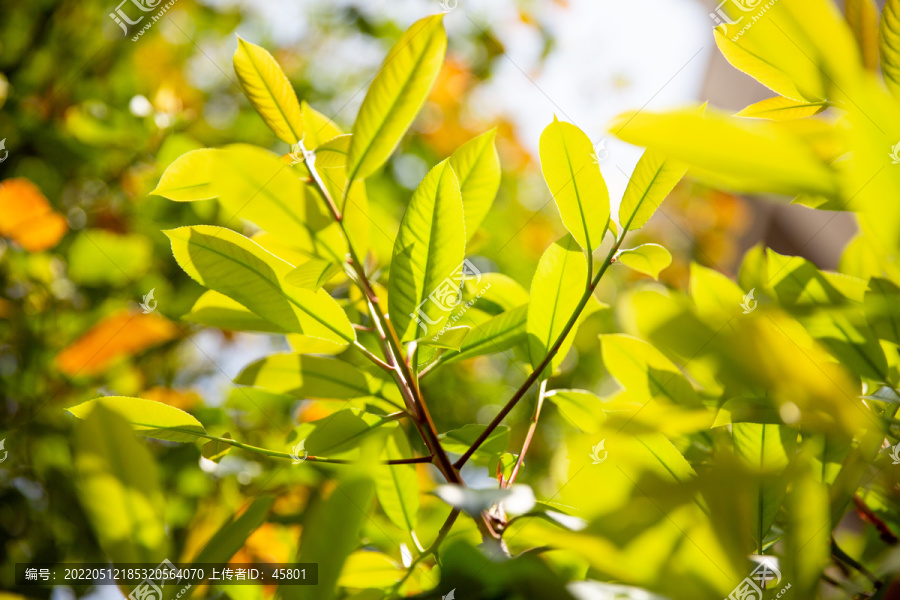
(91, 120)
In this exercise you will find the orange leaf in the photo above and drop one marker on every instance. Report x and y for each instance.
(116, 336)
(26, 216)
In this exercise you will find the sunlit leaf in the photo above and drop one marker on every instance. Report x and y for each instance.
(218, 310)
(882, 305)
(117, 336)
(580, 408)
(99, 257)
(26, 216)
(189, 177)
(459, 440)
(313, 274)
(648, 259)
(499, 334)
(653, 179)
(644, 370)
(317, 128)
(231, 536)
(310, 377)
(780, 108)
(477, 167)
(269, 91)
(367, 569)
(862, 16)
(428, 256)
(574, 179)
(149, 418)
(231, 264)
(119, 489)
(342, 433)
(559, 283)
(396, 95)
(452, 338)
(889, 44)
(397, 486)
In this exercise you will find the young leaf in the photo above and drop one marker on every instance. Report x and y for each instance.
(216, 450)
(333, 153)
(269, 91)
(575, 181)
(558, 284)
(648, 259)
(889, 44)
(231, 264)
(580, 408)
(149, 418)
(313, 274)
(780, 108)
(451, 338)
(644, 371)
(653, 179)
(397, 486)
(317, 128)
(118, 487)
(310, 377)
(477, 167)
(396, 95)
(213, 309)
(189, 177)
(496, 335)
(342, 433)
(428, 253)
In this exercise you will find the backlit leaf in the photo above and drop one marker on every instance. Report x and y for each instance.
(397, 486)
(269, 91)
(149, 418)
(459, 440)
(498, 334)
(231, 536)
(317, 128)
(862, 16)
(648, 259)
(368, 569)
(645, 371)
(189, 177)
(451, 338)
(780, 108)
(889, 44)
(313, 274)
(575, 181)
(653, 179)
(342, 433)
(396, 95)
(305, 376)
(580, 408)
(559, 283)
(428, 253)
(231, 264)
(477, 167)
(213, 309)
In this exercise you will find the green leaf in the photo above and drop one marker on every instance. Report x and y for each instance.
(269, 91)
(740, 153)
(653, 179)
(231, 536)
(305, 377)
(215, 450)
(118, 487)
(149, 418)
(333, 153)
(397, 486)
(459, 440)
(313, 274)
(580, 408)
(342, 433)
(882, 306)
(396, 95)
(780, 108)
(644, 371)
(769, 448)
(648, 259)
(889, 44)
(450, 338)
(559, 283)
(189, 177)
(98, 257)
(575, 181)
(368, 569)
(428, 257)
(213, 309)
(496, 293)
(477, 167)
(231, 264)
(317, 128)
(498, 334)
(331, 529)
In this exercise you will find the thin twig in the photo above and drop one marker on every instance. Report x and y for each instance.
(531, 429)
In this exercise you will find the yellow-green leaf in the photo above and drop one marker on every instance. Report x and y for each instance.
(269, 91)
(426, 269)
(653, 179)
(648, 259)
(450, 338)
(317, 128)
(213, 309)
(397, 486)
(368, 569)
(396, 95)
(189, 177)
(780, 108)
(149, 418)
(313, 274)
(477, 167)
(580, 408)
(575, 182)
(498, 334)
(644, 371)
(889, 44)
(557, 287)
(231, 264)
(862, 16)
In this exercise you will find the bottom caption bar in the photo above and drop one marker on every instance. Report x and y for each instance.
(156, 581)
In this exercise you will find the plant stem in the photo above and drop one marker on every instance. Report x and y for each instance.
(535, 375)
(530, 434)
(445, 529)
